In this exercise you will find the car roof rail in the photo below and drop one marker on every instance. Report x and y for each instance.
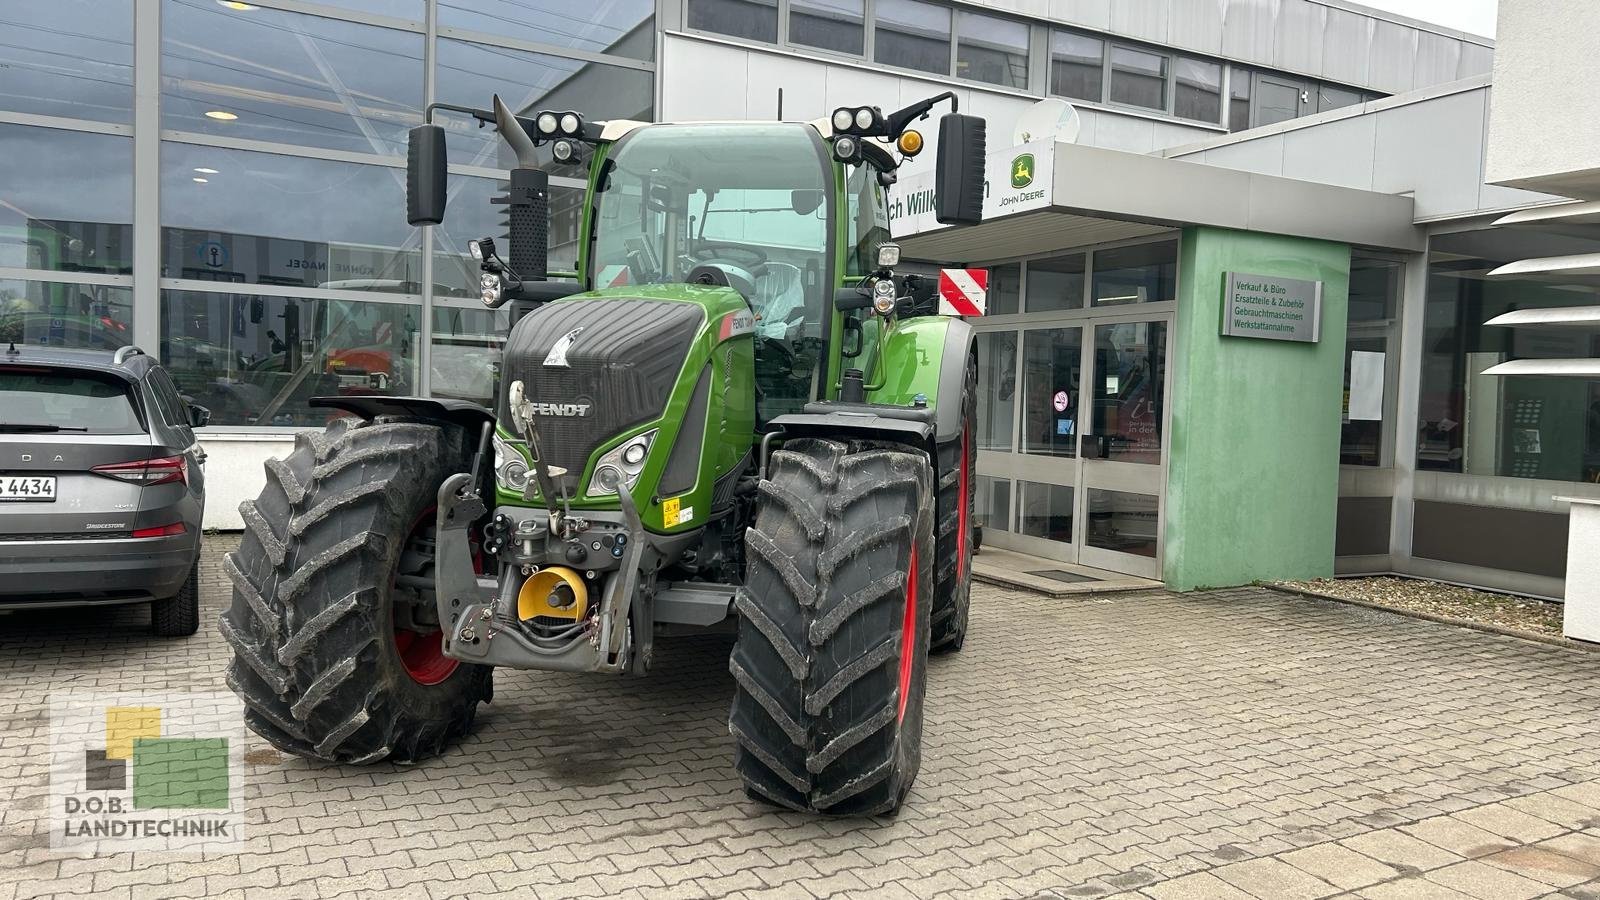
(124, 353)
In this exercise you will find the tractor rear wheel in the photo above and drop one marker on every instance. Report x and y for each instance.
(952, 598)
(330, 659)
(831, 658)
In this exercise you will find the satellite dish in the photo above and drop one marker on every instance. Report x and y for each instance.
(1049, 118)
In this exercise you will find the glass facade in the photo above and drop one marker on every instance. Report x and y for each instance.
(284, 265)
(1515, 427)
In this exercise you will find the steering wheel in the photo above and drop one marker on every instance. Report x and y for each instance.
(754, 260)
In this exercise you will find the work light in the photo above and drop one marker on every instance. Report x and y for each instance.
(888, 255)
(547, 123)
(842, 119)
(864, 118)
(570, 124)
(490, 288)
(845, 148)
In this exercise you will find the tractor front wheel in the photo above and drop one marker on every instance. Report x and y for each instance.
(335, 654)
(831, 657)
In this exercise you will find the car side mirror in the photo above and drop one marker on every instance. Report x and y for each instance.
(199, 416)
(959, 191)
(425, 175)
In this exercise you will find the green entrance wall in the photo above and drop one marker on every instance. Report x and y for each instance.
(1253, 469)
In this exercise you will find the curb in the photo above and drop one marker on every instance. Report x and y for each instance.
(1563, 642)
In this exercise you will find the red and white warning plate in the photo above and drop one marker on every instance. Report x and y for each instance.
(963, 292)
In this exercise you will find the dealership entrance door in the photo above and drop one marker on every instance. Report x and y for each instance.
(1072, 445)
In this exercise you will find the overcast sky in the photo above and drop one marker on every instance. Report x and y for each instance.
(1473, 16)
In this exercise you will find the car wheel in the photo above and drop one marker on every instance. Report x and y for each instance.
(179, 615)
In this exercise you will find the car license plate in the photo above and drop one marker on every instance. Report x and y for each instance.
(28, 487)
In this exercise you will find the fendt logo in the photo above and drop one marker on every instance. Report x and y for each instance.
(558, 409)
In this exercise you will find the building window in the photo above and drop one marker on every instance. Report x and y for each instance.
(997, 389)
(616, 27)
(837, 25)
(66, 200)
(1239, 99)
(1056, 283)
(470, 73)
(1278, 100)
(1005, 290)
(993, 503)
(259, 359)
(1077, 66)
(1197, 93)
(71, 58)
(265, 218)
(1374, 297)
(1139, 273)
(992, 50)
(270, 75)
(1331, 96)
(1139, 78)
(754, 20)
(89, 316)
(912, 34)
(1520, 426)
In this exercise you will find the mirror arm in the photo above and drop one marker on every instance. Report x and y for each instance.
(897, 121)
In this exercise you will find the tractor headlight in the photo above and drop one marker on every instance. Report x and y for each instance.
(491, 287)
(845, 149)
(621, 465)
(510, 465)
(883, 296)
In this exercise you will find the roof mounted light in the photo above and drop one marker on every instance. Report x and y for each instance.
(846, 149)
(547, 123)
(571, 124)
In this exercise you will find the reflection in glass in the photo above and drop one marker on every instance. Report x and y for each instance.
(828, 25)
(1077, 66)
(70, 58)
(1138, 78)
(257, 360)
(279, 76)
(1141, 273)
(992, 503)
(1239, 99)
(992, 49)
(467, 340)
(471, 74)
(88, 316)
(1130, 364)
(1126, 523)
(473, 216)
(1198, 94)
(262, 218)
(1276, 101)
(912, 34)
(997, 389)
(1330, 96)
(1374, 293)
(620, 27)
(1518, 427)
(755, 20)
(1056, 283)
(1046, 511)
(1051, 364)
(1005, 289)
(66, 200)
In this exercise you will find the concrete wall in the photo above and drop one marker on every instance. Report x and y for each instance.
(234, 471)
(1253, 471)
(1429, 144)
(1546, 112)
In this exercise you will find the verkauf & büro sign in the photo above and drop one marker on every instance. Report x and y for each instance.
(1273, 308)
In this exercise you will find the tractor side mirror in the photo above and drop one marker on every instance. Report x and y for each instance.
(425, 175)
(960, 171)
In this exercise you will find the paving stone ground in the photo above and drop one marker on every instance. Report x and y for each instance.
(1238, 743)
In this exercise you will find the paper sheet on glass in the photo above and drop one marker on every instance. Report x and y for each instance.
(1366, 385)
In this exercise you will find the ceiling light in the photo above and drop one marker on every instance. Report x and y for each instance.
(236, 6)
(220, 115)
(199, 180)
(205, 171)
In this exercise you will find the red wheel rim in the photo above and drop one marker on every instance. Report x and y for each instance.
(908, 635)
(422, 652)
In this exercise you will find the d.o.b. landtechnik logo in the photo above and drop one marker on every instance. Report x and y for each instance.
(146, 772)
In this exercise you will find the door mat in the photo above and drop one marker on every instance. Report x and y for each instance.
(1058, 575)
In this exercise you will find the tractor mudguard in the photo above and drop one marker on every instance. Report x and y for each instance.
(926, 355)
(833, 419)
(463, 413)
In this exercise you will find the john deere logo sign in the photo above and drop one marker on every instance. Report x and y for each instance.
(1022, 171)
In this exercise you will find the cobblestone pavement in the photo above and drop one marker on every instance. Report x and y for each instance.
(1227, 744)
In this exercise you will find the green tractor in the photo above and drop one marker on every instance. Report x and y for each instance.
(739, 417)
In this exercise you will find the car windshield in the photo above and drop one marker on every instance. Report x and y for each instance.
(747, 197)
(69, 401)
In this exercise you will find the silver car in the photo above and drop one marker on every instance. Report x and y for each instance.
(101, 484)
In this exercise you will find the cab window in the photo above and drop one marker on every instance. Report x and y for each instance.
(868, 221)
